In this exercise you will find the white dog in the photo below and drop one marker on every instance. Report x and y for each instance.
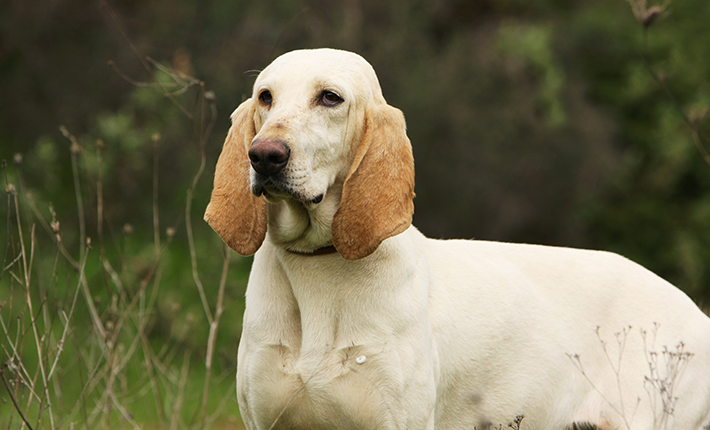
(355, 320)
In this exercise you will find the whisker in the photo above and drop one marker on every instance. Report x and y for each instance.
(252, 73)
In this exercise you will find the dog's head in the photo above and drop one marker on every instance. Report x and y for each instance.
(316, 132)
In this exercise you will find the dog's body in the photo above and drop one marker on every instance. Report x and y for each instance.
(397, 331)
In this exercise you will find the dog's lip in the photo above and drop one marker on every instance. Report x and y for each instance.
(270, 186)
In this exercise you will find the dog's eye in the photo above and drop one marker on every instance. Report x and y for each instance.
(329, 98)
(265, 97)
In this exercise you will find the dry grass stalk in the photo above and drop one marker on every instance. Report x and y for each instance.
(119, 327)
(665, 371)
(647, 15)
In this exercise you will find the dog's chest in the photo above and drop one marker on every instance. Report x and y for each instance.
(326, 379)
(334, 354)
(339, 388)
(330, 343)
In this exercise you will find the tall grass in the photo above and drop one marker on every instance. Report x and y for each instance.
(99, 325)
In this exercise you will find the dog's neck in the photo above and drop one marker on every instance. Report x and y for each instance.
(303, 227)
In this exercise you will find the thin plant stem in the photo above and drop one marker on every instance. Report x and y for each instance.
(143, 59)
(14, 402)
(28, 298)
(213, 334)
(698, 135)
(74, 150)
(156, 215)
(68, 318)
(181, 392)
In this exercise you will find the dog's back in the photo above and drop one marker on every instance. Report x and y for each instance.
(559, 329)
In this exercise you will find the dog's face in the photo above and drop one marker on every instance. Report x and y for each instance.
(310, 107)
(320, 144)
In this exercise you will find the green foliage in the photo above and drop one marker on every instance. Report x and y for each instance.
(105, 312)
(533, 45)
(652, 209)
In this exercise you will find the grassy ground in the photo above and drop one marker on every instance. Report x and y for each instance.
(107, 324)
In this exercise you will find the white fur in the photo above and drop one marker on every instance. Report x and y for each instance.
(426, 334)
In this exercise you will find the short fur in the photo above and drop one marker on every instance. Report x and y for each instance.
(398, 331)
(358, 230)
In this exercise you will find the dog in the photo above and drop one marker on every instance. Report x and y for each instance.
(355, 320)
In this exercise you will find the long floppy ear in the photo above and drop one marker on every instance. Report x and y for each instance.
(378, 193)
(234, 212)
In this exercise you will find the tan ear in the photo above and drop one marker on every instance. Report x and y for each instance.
(236, 214)
(378, 193)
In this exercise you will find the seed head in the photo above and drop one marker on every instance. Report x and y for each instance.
(644, 14)
(127, 229)
(697, 114)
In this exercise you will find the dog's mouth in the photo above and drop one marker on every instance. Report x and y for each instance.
(273, 187)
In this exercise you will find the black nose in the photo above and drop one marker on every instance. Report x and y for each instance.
(268, 157)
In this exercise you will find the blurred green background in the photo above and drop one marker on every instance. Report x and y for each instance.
(532, 121)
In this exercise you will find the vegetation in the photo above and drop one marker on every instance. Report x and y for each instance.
(99, 326)
(576, 123)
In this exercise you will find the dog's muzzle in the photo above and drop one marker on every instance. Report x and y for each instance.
(268, 158)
